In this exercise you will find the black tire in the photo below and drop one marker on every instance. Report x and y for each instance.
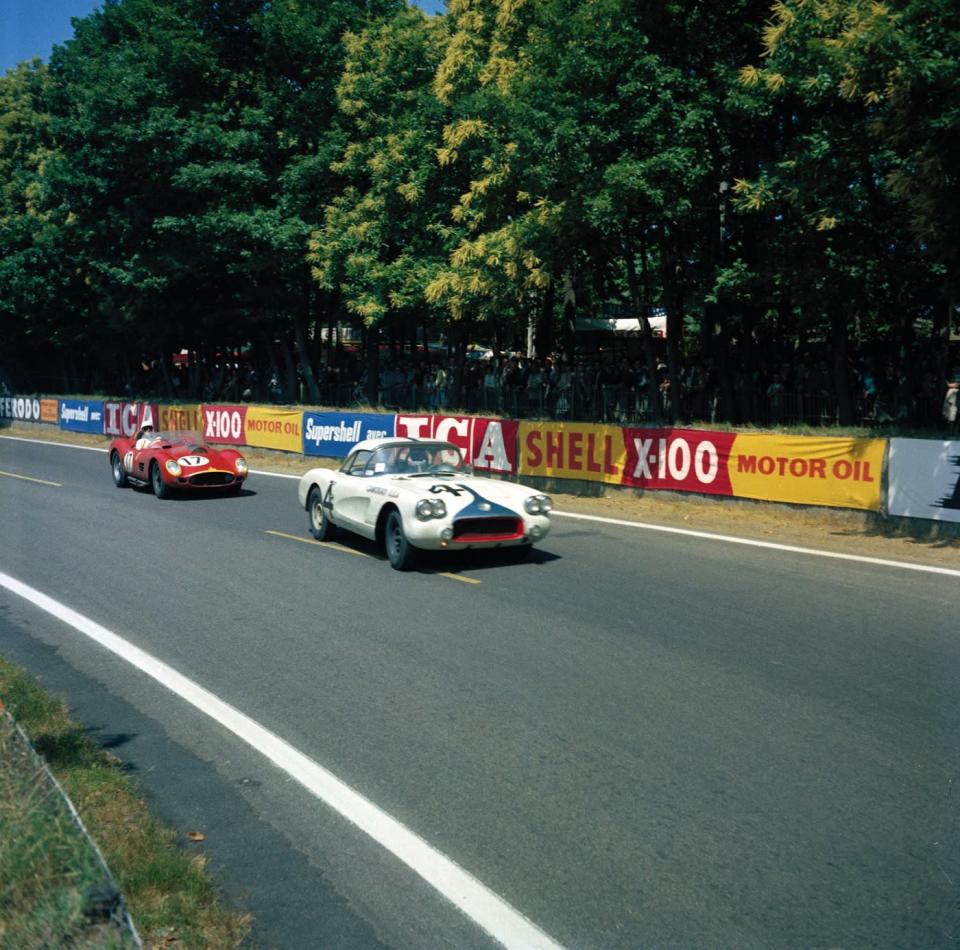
(320, 525)
(160, 488)
(119, 475)
(400, 552)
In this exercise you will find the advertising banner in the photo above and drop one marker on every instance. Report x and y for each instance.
(678, 460)
(124, 418)
(81, 415)
(224, 424)
(808, 470)
(49, 411)
(595, 453)
(490, 445)
(923, 479)
(21, 408)
(494, 446)
(270, 428)
(180, 418)
(333, 434)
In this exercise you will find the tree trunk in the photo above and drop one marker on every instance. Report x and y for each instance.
(303, 352)
(841, 383)
(639, 306)
(372, 353)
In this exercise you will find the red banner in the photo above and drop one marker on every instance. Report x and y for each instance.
(124, 418)
(678, 460)
(225, 424)
(489, 445)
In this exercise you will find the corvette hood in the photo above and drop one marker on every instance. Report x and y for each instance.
(466, 496)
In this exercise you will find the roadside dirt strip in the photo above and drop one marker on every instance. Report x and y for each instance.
(829, 529)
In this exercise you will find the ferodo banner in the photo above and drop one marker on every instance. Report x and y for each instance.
(678, 460)
(489, 445)
(224, 424)
(333, 434)
(595, 453)
(49, 411)
(124, 418)
(923, 479)
(271, 428)
(805, 470)
(182, 418)
(21, 408)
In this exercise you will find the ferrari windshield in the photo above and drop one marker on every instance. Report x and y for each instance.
(191, 440)
(419, 458)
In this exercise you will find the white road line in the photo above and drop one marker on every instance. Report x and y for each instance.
(66, 445)
(492, 913)
(772, 545)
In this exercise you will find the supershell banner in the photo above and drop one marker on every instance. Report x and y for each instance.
(489, 445)
(923, 479)
(333, 434)
(81, 415)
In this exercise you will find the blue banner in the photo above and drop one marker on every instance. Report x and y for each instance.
(80, 415)
(333, 434)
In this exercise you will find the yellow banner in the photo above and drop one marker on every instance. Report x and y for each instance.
(274, 428)
(49, 411)
(807, 470)
(595, 453)
(182, 418)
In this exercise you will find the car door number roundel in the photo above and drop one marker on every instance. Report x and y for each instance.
(128, 461)
(193, 461)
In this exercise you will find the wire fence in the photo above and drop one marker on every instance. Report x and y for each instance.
(39, 788)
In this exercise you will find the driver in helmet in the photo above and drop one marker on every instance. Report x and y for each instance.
(144, 437)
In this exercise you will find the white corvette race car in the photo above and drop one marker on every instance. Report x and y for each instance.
(413, 494)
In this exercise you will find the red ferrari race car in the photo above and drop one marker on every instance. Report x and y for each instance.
(169, 461)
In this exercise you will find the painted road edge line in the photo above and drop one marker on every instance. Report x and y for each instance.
(492, 913)
(66, 445)
(771, 545)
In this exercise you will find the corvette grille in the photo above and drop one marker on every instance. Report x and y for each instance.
(487, 529)
(212, 478)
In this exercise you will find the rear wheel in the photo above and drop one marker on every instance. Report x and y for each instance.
(401, 553)
(320, 525)
(119, 475)
(160, 488)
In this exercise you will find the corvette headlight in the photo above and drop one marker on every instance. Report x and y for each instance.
(537, 504)
(173, 467)
(427, 508)
(241, 466)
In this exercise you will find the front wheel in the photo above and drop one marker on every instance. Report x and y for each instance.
(400, 552)
(119, 475)
(160, 488)
(320, 525)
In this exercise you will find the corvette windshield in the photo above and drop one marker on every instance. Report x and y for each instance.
(420, 458)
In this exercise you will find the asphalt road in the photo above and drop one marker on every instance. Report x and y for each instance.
(635, 739)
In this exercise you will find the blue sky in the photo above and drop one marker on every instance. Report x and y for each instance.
(30, 28)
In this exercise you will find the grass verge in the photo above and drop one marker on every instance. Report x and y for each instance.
(47, 866)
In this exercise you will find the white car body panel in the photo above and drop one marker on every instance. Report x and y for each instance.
(356, 502)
